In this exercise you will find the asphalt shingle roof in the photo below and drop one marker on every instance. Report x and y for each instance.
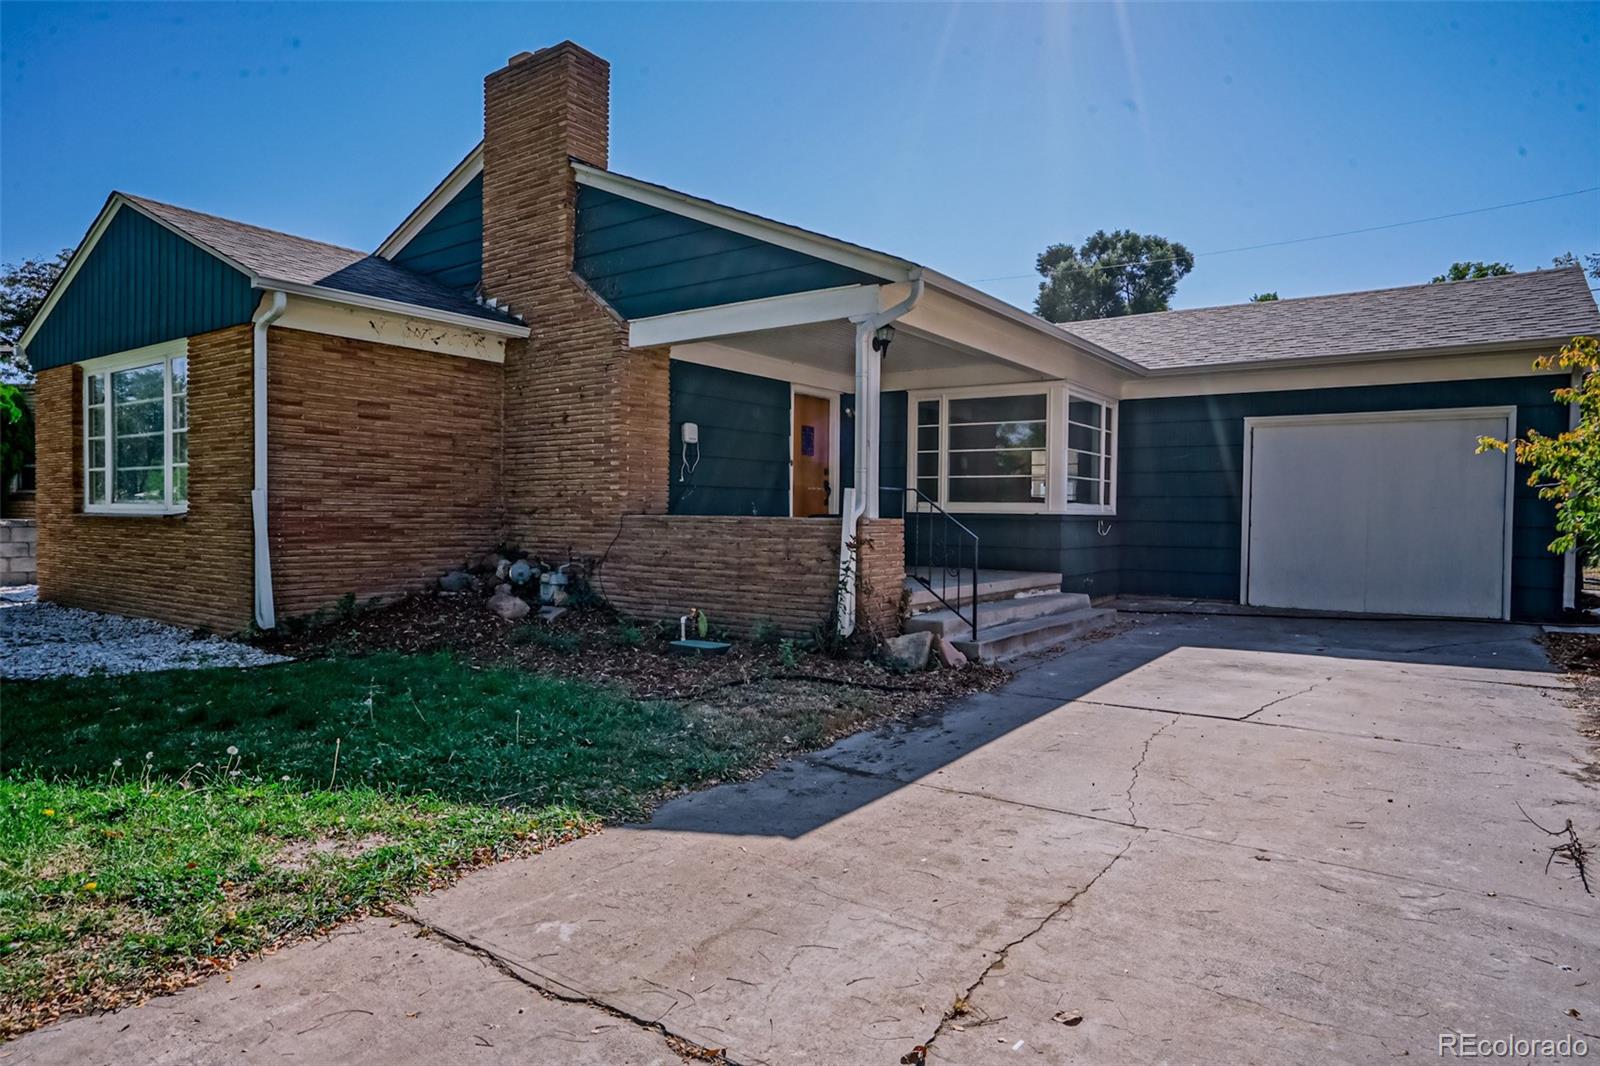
(285, 257)
(1531, 308)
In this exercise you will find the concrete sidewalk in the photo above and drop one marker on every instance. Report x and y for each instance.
(1214, 838)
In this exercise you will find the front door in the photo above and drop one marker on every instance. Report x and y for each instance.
(812, 442)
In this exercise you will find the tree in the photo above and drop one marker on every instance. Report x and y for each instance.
(1591, 263)
(1112, 274)
(1263, 297)
(16, 435)
(23, 287)
(1473, 270)
(1566, 467)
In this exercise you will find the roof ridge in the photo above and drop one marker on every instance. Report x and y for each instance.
(1414, 287)
(152, 202)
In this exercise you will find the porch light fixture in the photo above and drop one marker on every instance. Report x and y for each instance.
(882, 337)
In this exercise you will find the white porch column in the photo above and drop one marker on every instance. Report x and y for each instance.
(869, 392)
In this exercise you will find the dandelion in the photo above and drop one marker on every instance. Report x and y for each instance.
(49, 812)
(232, 750)
(149, 755)
(285, 778)
(117, 761)
(90, 886)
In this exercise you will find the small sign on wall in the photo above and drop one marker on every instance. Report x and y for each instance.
(808, 440)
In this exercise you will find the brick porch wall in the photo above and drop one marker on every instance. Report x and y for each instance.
(880, 586)
(586, 418)
(192, 569)
(384, 467)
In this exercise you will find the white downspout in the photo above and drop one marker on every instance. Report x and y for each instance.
(265, 315)
(862, 499)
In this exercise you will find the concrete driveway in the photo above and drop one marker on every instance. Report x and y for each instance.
(1236, 839)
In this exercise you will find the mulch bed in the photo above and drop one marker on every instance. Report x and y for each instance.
(591, 643)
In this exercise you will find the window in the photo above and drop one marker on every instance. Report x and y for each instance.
(136, 431)
(1047, 448)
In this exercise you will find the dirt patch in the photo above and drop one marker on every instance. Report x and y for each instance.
(592, 643)
(301, 855)
(1579, 655)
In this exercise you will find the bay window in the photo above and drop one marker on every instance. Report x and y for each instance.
(136, 431)
(1047, 448)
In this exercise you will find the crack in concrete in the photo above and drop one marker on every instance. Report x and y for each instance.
(1133, 818)
(1000, 956)
(1280, 699)
(686, 1049)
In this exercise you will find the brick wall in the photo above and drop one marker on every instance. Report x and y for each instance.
(586, 419)
(741, 570)
(880, 585)
(383, 467)
(19, 539)
(193, 569)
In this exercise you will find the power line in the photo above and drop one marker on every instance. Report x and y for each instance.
(1328, 236)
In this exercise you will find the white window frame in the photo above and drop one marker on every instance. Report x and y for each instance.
(1057, 394)
(163, 353)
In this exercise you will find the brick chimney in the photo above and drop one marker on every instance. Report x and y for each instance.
(586, 422)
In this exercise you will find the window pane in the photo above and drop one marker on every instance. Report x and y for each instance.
(97, 388)
(928, 464)
(991, 490)
(180, 376)
(1086, 412)
(929, 487)
(180, 484)
(140, 383)
(928, 413)
(991, 464)
(97, 486)
(139, 452)
(141, 416)
(1083, 490)
(97, 421)
(999, 435)
(927, 438)
(180, 448)
(998, 409)
(1083, 439)
(180, 412)
(1082, 464)
(138, 486)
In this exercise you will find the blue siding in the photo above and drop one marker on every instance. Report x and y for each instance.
(1180, 487)
(744, 442)
(891, 449)
(449, 248)
(141, 284)
(644, 261)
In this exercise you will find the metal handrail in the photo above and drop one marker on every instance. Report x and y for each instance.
(942, 550)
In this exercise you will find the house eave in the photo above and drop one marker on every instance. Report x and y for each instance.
(432, 204)
(1499, 347)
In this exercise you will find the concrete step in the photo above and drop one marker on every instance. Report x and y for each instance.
(946, 623)
(999, 643)
(992, 585)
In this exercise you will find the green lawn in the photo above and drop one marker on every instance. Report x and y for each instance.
(150, 824)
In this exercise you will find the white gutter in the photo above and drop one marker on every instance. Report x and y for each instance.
(862, 500)
(265, 315)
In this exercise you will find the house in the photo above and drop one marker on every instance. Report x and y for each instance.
(716, 409)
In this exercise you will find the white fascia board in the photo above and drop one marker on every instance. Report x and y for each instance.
(436, 201)
(399, 331)
(888, 267)
(748, 316)
(723, 357)
(398, 307)
(1501, 362)
(961, 290)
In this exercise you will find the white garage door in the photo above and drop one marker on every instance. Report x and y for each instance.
(1386, 514)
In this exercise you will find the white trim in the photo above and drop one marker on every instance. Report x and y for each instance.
(1057, 393)
(403, 331)
(436, 201)
(1501, 363)
(748, 316)
(268, 311)
(739, 361)
(1355, 417)
(835, 402)
(878, 264)
(105, 366)
(399, 307)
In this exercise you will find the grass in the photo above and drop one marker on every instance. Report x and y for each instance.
(155, 826)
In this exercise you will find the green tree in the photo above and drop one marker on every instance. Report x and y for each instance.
(1591, 263)
(1263, 297)
(16, 435)
(1471, 271)
(1566, 468)
(1111, 274)
(23, 287)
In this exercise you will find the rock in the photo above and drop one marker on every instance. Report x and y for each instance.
(521, 572)
(490, 564)
(502, 590)
(553, 588)
(456, 581)
(550, 614)
(511, 608)
(907, 653)
(949, 654)
(502, 569)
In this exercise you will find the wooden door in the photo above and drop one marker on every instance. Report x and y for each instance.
(812, 442)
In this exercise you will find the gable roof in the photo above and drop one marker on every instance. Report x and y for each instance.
(1539, 307)
(270, 256)
(444, 192)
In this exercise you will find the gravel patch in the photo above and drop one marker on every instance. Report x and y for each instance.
(46, 640)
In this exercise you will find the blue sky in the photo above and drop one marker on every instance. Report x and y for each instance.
(965, 137)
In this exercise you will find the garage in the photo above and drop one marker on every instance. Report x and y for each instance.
(1390, 513)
